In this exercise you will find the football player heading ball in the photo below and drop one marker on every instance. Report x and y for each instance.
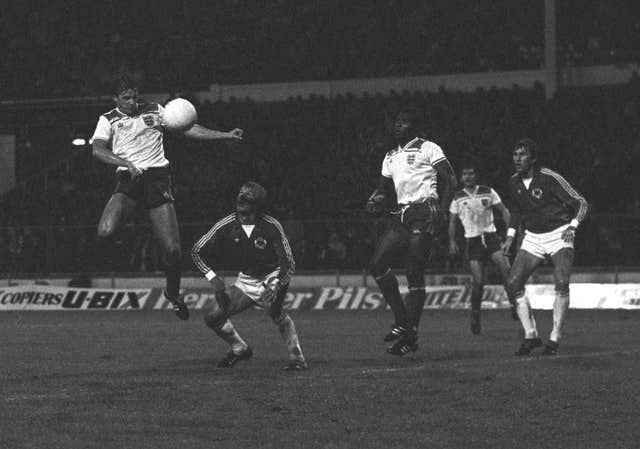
(130, 137)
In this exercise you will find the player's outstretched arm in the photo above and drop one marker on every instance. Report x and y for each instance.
(102, 152)
(200, 132)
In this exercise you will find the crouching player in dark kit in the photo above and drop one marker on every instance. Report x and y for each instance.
(473, 205)
(257, 246)
(412, 169)
(549, 210)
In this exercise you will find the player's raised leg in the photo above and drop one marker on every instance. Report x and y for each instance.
(165, 228)
(226, 304)
(502, 262)
(392, 243)
(562, 265)
(288, 332)
(523, 266)
(477, 289)
(118, 210)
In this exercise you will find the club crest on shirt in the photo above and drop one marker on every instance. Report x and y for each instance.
(537, 193)
(485, 202)
(236, 240)
(260, 243)
(411, 158)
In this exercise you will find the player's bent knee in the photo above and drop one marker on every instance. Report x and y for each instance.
(378, 270)
(106, 230)
(514, 286)
(215, 318)
(562, 287)
(279, 318)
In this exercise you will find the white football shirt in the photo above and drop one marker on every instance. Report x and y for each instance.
(412, 170)
(131, 139)
(474, 209)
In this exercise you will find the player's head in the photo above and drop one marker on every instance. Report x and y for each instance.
(468, 175)
(251, 202)
(125, 94)
(407, 124)
(525, 156)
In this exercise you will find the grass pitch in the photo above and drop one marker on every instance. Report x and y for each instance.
(148, 380)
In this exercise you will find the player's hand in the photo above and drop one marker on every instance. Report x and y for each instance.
(272, 284)
(453, 248)
(152, 121)
(270, 290)
(506, 245)
(236, 134)
(218, 285)
(133, 170)
(375, 204)
(569, 234)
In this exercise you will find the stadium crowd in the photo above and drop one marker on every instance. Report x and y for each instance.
(184, 43)
(319, 159)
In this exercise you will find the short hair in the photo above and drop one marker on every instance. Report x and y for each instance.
(122, 83)
(468, 165)
(416, 117)
(253, 194)
(528, 144)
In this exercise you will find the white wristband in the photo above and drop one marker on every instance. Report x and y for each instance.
(574, 223)
(511, 232)
(210, 275)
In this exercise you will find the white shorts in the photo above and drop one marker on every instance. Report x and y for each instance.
(545, 244)
(253, 288)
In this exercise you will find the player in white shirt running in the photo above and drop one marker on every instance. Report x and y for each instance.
(130, 137)
(473, 206)
(412, 169)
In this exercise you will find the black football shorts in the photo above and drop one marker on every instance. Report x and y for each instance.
(482, 246)
(151, 189)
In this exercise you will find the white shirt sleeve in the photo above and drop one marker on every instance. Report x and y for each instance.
(495, 198)
(433, 153)
(385, 168)
(103, 129)
(453, 208)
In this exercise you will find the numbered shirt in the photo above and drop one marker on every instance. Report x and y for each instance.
(412, 170)
(131, 139)
(474, 210)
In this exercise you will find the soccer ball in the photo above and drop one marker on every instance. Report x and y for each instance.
(179, 115)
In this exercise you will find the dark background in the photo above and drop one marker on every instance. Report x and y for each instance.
(319, 157)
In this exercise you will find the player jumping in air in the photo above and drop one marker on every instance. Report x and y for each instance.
(549, 210)
(130, 137)
(473, 205)
(256, 246)
(412, 169)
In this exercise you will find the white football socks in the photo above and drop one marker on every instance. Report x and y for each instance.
(560, 309)
(526, 317)
(290, 336)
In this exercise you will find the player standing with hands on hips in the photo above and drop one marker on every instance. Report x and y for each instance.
(130, 137)
(413, 169)
(253, 243)
(549, 210)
